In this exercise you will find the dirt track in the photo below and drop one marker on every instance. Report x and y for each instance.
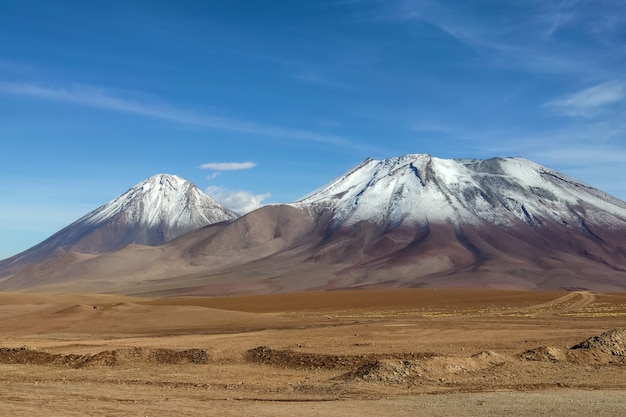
(391, 352)
(571, 302)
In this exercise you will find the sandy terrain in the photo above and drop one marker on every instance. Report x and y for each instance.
(370, 353)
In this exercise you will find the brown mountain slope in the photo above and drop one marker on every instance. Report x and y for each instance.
(286, 249)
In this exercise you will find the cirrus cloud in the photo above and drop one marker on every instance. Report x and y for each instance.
(127, 102)
(588, 102)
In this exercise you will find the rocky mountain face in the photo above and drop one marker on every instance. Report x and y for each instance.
(152, 212)
(407, 221)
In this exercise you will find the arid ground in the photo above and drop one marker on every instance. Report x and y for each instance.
(407, 352)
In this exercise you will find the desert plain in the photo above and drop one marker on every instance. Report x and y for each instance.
(377, 352)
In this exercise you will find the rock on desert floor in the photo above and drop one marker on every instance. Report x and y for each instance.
(404, 352)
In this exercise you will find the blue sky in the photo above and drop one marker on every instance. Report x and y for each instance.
(262, 102)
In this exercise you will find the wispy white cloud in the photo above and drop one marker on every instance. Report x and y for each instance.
(522, 38)
(601, 167)
(316, 77)
(219, 167)
(116, 100)
(594, 143)
(591, 152)
(93, 97)
(312, 77)
(228, 166)
(589, 102)
(587, 155)
(240, 201)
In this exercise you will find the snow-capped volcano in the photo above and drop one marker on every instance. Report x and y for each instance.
(407, 221)
(420, 189)
(152, 212)
(418, 220)
(160, 208)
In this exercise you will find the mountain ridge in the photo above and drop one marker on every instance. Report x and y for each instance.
(408, 221)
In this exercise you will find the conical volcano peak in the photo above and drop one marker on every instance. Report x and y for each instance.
(152, 212)
(164, 202)
(163, 182)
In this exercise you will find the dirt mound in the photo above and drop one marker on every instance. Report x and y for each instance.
(125, 306)
(545, 354)
(488, 356)
(389, 368)
(398, 371)
(159, 356)
(75, 309)
(303, 360)
(609, 347)
(116, 357)
(386, 371)
(24, 355)
(612, 342)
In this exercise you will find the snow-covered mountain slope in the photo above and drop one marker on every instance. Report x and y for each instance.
(420, 189)
(166, 204)
(152, 212)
